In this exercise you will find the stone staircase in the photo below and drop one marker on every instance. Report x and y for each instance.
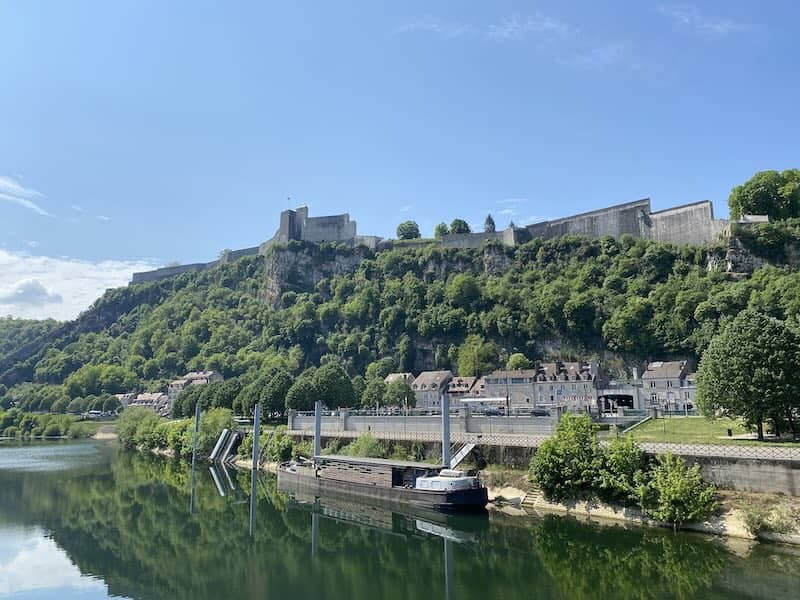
(533, 496)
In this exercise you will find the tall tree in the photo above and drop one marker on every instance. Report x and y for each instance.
(488, 224)
(772, 193)
(408, 230)
(441, 230)
(459, 226)
(334, 385)
(750, 370)
(518, 361)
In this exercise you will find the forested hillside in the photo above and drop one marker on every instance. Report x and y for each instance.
(408, 308)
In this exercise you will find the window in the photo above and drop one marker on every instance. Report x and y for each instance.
(653, 398)
(669, 384)
(686, 395)
(652, 384)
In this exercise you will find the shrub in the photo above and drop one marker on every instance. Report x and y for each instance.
(761, 516)
(52, 430)
(129, 422)
(366, 446)
(147, 435)
(212, 422)
(180, 437)
(676, 493)
(11, 431)
(79, 431)
(280, 446)
(566, 465)
(622, 470)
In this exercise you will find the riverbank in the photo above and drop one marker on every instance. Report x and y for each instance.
(730, 520)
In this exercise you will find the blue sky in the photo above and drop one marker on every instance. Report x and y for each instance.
(140, 132)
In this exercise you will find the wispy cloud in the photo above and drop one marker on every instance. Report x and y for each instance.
(406, 208)
(59, 287)
(519, 27)
(565, 44)
(507, 211)
(77, 208)
(689, 17)
(32, 243)
(13, 191)
(103, 218)
(514, 201)
(428, 24)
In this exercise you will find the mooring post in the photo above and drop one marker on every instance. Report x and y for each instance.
(256, 434)
(196, 432)
(445, 404)
(317, 429)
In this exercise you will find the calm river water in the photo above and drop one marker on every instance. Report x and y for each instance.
(87, 520)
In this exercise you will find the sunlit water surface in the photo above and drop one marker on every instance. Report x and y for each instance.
(87, 520)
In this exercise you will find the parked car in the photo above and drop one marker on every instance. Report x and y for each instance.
(540, 412)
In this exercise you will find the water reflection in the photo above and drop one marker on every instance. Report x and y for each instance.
(125, 522)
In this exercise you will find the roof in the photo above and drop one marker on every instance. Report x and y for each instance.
(461, 384)
(199, 375)
(665, 369)
(431, 380)
(407, 377)
(515, 373)
(386, 462)
(150, 397)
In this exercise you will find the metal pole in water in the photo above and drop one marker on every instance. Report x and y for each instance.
(445, 404)
(256, 434)
(196, 433)
(448, 569)
(317, 429)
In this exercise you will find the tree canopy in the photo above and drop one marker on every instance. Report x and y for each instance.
(459, 226)
(750, 370)
(408, 230)
(773, 193)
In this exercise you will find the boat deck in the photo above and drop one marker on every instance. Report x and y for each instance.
(383, 462)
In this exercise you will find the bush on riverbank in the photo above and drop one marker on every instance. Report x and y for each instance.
(140, 427)
(572, 465)
(16, 423)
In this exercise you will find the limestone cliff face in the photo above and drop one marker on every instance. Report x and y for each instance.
(299, 266)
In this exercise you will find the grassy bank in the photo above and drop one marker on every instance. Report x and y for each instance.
(699, 430)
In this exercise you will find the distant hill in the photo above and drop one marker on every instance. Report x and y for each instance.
(624, 300)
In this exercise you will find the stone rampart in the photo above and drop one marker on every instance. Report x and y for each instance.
(688, 224)
(164, 272)
(630, 218)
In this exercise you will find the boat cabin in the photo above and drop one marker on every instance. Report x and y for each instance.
(373, 471)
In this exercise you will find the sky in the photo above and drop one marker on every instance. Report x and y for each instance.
(136, 133)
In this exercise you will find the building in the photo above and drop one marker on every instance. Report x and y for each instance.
(670, 385)
(460, 387)
(193, 378)
(429, 386)
(125, 399)
(568, 384)
(407, 378)
(157, 401)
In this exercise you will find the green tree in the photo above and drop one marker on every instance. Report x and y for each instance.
(408, 230)
(463, 290)
(750, 370)
(374, 393)
(459, 226)
(334, 386)
(566, 465)
(518, 361)
(441, 230)
(488, 224)
(399, 393)
(676, 492)
(303, 393)
(476, 356)
(772, 193)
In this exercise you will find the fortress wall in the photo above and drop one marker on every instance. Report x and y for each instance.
(337, 228)
(164, 272)
(614, 221)
(470, 240)
(689, 224)
(235, 254)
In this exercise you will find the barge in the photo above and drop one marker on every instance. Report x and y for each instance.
(417, 484)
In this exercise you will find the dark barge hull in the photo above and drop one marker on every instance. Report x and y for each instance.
(305, 480)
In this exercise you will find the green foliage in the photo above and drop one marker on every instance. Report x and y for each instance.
(762, 516)
(463, 291)
(750, 370)
(280, 447)
(365, 445)
(441, 230)
(623, 467)
(374, 393)
(772, 193)
(212, 422)
(408, 230)
(518, 361)
(334, 388)
(129, 423)
(476, 356)
(566, 465)
(399, 393)
(459, 226)
(488, 224)
(676, 492)
(100, 379)
(52, 430)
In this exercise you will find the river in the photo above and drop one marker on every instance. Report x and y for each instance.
(88, 520)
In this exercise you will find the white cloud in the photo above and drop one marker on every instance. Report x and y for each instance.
(406, 208)
(13, 191)
(77, 208)
(691, 18)
(428, 24)
(39, 564)
(103, 218)
(602, 56)
(58, 287)
(507, 211)
(32, 243)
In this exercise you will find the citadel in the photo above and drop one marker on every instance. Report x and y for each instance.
(681, 225)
